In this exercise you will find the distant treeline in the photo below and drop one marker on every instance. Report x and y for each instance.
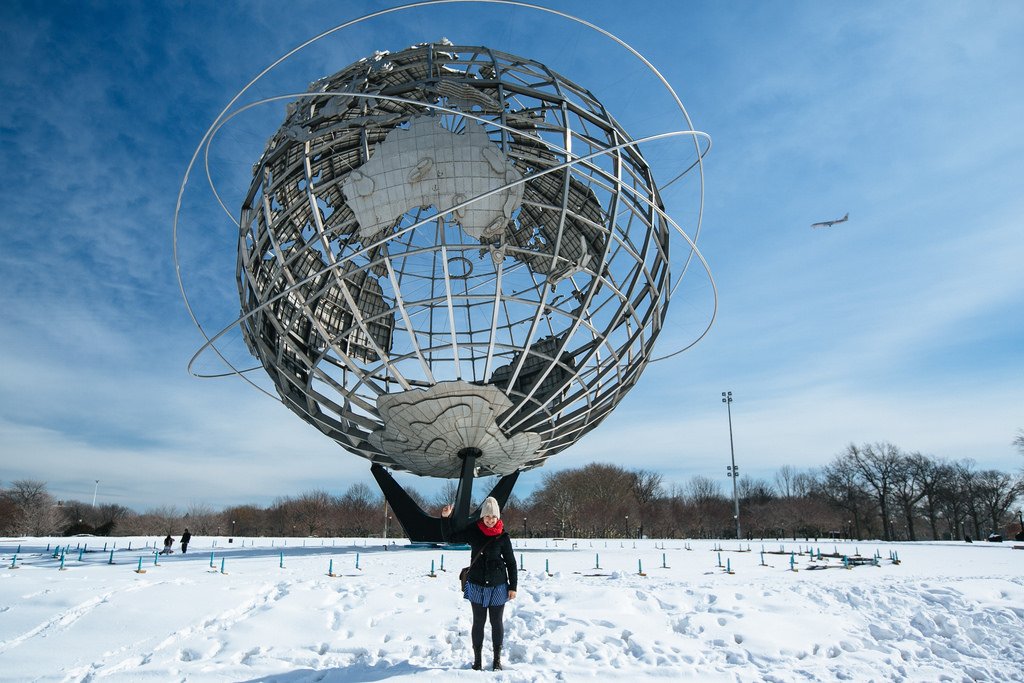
(869, 491)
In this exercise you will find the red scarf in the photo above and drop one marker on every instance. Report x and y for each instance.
(490, 531)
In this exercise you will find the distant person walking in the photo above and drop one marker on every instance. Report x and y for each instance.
(168, 546)
(492, 576)
(185, 538)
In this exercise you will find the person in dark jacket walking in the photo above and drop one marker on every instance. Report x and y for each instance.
(185, 538)
(492, 576)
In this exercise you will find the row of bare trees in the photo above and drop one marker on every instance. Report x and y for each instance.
(867, 491)
(888, 493)
(27, 509)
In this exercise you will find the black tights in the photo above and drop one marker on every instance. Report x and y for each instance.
(480, 615)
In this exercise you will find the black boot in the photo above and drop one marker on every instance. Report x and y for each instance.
(477, 656)
(497, 660)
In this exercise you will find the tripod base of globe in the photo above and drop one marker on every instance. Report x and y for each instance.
(421, 527)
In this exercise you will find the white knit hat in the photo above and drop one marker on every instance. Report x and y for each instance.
(490, 508)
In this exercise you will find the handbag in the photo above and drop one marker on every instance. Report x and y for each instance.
(464, 574)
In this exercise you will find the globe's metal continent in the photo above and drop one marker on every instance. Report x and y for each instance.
(450, 247)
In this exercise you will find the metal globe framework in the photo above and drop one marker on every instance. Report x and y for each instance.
(452, 221)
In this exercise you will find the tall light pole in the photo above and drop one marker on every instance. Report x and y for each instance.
(94, 492)
(734, 472)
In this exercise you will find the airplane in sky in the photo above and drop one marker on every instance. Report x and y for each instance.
(829, 224)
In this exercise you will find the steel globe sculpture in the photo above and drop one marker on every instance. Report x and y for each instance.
(452, 261)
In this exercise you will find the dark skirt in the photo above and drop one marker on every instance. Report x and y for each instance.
(487, 596)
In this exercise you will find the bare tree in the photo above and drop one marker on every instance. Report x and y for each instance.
(360, 511)
(710, 509)
(159, 521)
(77, 517)
(785, 481)
(246, 520)
(513, 513)
(703, 489)
(932, 476)
(362, 494)
(806, 484)
(200, 518)
(607, 496)
(83, 518)
(907, 487)
(955, 495)
(596, 500)
(311, 511)
(10, 515)
(971, 489)
(556, 500)
(842, 488)
(447, 494)
(646, 490)
(996, 492)
(877, 465)
(36, 510)
(755, 491)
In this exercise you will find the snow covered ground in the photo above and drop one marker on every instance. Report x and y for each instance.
(945, 612)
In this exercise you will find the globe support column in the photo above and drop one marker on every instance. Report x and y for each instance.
(464, 494)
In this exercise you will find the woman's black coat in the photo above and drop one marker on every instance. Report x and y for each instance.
(498, 564)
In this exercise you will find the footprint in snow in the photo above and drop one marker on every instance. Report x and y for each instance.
(882, 633)
(189, 655)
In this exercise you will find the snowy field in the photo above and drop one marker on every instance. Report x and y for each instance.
(944, 612)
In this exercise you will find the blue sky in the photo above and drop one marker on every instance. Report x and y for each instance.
(902, 325)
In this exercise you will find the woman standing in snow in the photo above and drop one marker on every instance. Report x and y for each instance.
(492, 574)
